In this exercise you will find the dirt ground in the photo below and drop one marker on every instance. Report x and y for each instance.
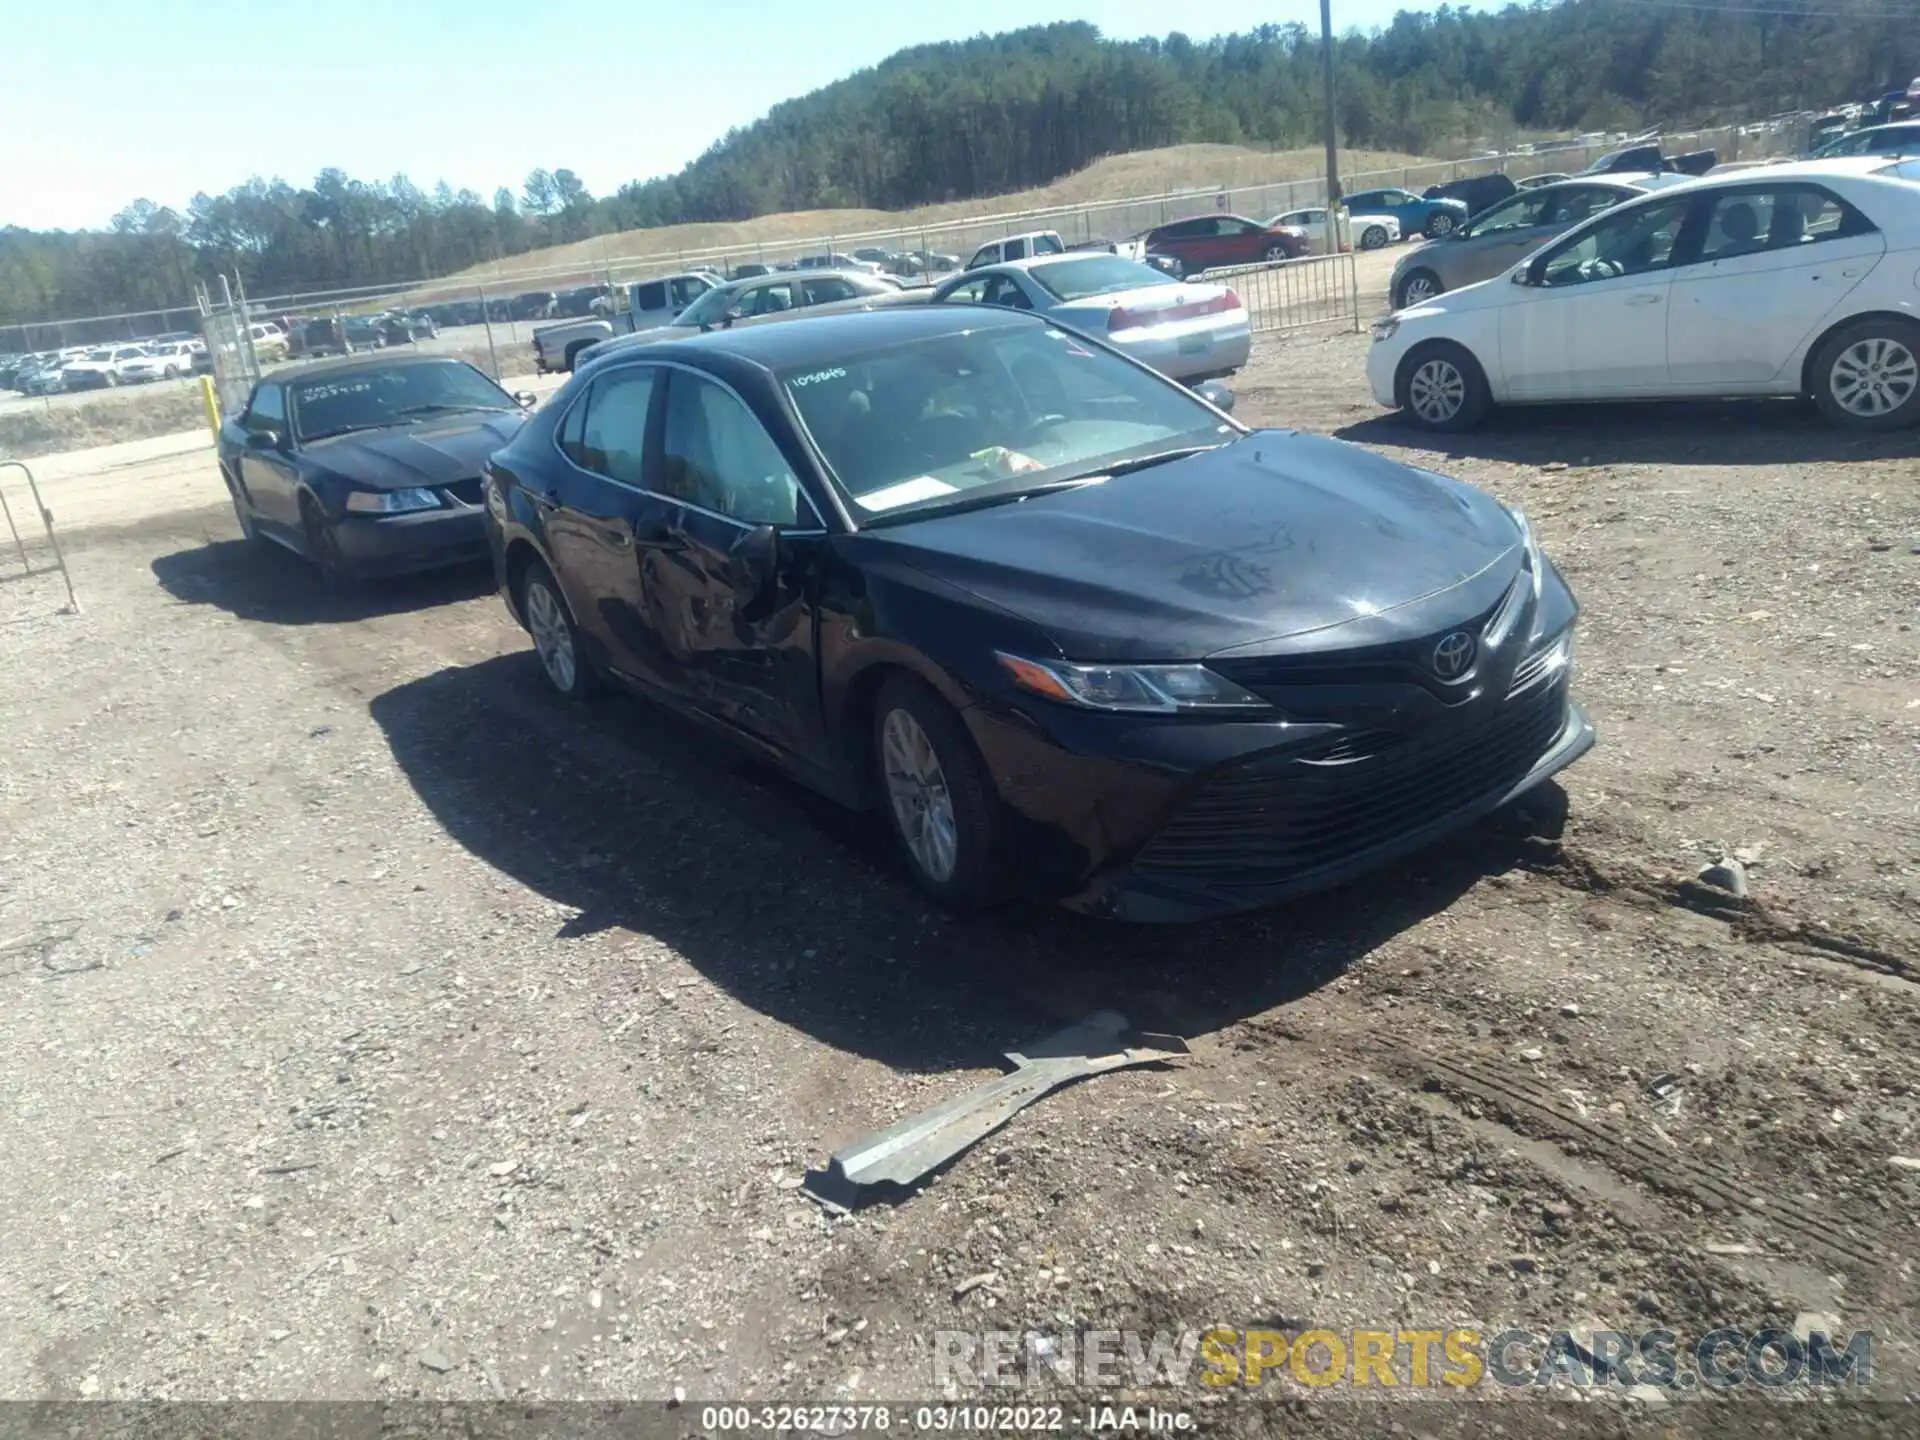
(375, 1025)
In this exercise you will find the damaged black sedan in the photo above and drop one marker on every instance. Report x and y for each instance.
(1071, 629)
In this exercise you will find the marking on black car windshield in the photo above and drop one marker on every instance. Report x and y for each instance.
(820, 376)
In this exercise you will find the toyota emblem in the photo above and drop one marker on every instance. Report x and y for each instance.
(1453, 656)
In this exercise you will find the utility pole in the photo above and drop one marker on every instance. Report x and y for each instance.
(1333, 142)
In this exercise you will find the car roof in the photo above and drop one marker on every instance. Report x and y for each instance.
(787, 277)
(1034, 262)
(822, 339)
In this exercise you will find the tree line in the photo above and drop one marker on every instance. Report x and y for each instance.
(1003, 112)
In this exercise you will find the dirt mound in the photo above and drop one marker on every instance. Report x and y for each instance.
(32, 430)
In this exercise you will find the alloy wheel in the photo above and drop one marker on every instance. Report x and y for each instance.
(1874, 377)
(1418, 291)
(552, 636)
(1436, 391)
(1440, 225)
(917, 790)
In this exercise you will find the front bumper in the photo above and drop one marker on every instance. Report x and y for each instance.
(1383, 360)
(1130, 820)
(376, 545)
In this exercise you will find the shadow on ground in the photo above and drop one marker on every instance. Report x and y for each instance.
(266, 583)
(641, 820)
(1747, 432)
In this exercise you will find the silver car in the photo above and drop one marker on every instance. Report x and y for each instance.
(1501, 234)
(762, 298)
(1187, 330)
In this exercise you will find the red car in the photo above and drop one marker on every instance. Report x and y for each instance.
(1206, 242)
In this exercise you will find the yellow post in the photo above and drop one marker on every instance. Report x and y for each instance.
(212, 402)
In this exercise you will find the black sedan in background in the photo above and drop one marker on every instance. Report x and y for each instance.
(1071, 629)
(370, 465)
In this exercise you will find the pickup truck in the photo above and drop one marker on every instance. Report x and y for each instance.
(649, 305)
(1018, 247)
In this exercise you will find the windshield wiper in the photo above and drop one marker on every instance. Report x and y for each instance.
(1144, 462)
(440, 406)
(983, 500)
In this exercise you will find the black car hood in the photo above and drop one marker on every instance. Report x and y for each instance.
(1278, 536)
(436, 450)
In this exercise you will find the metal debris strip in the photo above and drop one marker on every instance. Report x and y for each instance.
(914, 1147)
(27, 566)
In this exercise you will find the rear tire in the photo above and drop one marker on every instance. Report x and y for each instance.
(556, 639)
(939, 801)
(1440, 386)
(1867, 376)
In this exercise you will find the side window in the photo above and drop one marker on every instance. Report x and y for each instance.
(1016, 249)
(572, 427)
(769, 299)
(971, 293)
(650, 296)
(613, 433)
(1047, 245)
(718, 456)
(1584, 202)
(985, 255)
(267, 410)
(1777, 218)
(826, 290)
(1526, 209)
(1003, 290)
(1629, 242)
(687, 289)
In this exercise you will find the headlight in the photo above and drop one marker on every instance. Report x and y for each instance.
(1536, 562)
(1385, 326)
(391, 502)
(1163, 689)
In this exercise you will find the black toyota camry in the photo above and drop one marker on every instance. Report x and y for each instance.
(1072, 630)
(368, 466)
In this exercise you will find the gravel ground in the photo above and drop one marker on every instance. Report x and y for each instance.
(376, 1026)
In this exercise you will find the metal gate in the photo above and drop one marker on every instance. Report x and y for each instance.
(229, 335)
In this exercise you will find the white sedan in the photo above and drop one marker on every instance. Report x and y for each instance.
(1376, 231)
(1799, 279)
(1186, 330)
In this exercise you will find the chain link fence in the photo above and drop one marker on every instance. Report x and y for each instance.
(488, 319)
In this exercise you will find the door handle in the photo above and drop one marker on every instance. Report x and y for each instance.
(1643, 299)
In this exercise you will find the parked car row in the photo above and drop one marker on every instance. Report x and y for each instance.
(102, 367)
(1793, 279)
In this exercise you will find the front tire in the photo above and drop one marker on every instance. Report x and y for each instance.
(1867, 376)
(323, 548)
(243, 512)
(1439, 225)
(1374, 237)
(1418, 288)
(940, 804)
(556, 639)
(1442, 387)
(1277, 253)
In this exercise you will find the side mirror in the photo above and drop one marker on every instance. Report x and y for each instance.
(525, 399)
(1215, 394)
(265, 440)
(737, 312)
(758, 554)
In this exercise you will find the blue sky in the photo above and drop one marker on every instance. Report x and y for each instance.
(107, 100)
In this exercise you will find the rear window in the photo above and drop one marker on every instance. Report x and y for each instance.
(1068, 280)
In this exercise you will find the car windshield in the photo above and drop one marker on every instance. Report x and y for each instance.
(1095, 275)
(988, 414)
(333, 404)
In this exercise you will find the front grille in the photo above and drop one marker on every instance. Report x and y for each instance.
(467, 492)
(1279, 678)
(1260, 823)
